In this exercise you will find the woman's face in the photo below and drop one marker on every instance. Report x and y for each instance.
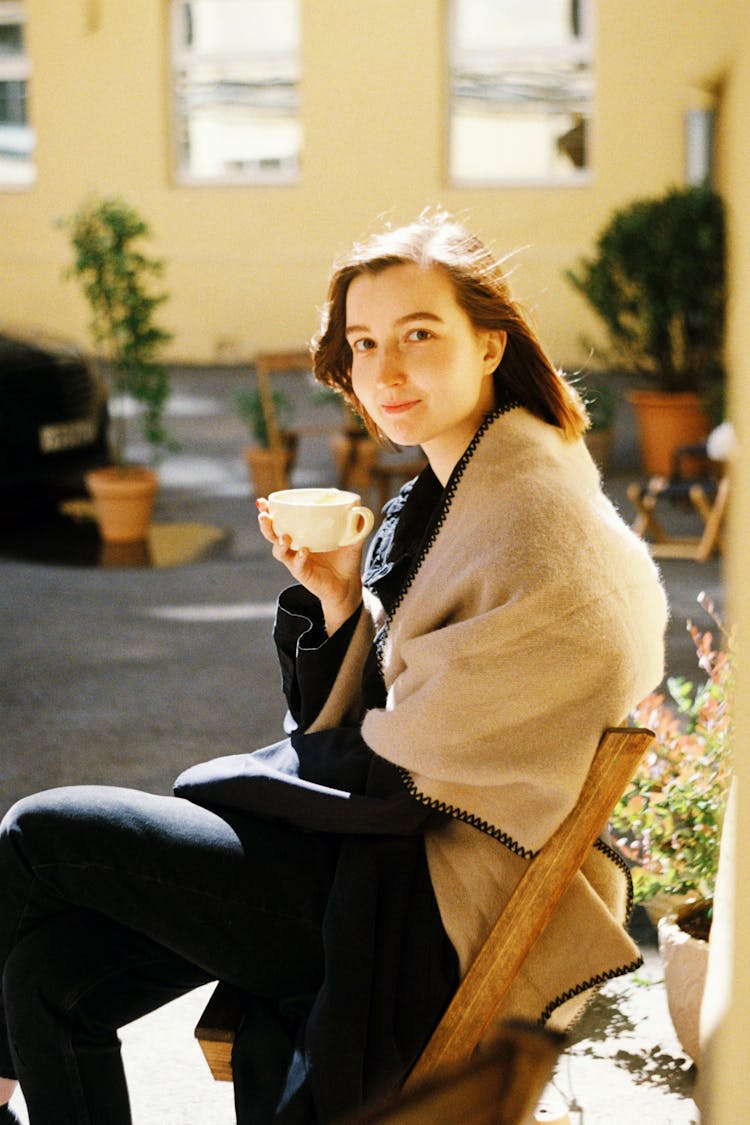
(419, 367)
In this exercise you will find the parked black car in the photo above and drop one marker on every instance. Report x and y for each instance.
(53, 418)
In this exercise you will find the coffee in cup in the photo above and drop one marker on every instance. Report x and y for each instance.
(320, 519)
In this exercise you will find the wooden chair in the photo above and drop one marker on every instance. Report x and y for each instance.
(266, 365)
(525, 916)
(363, 467)
(500, 1086)
(360, 463)
(698, 484)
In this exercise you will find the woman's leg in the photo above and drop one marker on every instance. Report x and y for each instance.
(234, 898)
(89, 977)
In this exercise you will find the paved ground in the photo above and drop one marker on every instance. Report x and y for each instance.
(127, 674)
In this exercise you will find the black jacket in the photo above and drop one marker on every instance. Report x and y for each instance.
(389, 968)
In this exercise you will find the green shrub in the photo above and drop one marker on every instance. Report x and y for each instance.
(668, 822)
(657, 282)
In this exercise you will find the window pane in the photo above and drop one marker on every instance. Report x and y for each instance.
(506, 147)
(498, 25)
(16, 136)
(239, 26)
(522, 91)
(11, 38)
(237, 89)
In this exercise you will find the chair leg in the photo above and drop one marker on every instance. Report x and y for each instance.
(663, 546)
(645, 523)
(217, 1028)
(713, 517)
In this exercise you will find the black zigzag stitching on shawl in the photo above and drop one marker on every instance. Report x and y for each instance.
(450, 492)
(525, 853)
(614, 856)
(601, 978)
(447, 500)
(467, 817)
(595, 982)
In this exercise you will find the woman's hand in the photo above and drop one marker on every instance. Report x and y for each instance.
(334, 577)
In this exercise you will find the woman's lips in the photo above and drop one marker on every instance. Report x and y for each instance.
(398, 407)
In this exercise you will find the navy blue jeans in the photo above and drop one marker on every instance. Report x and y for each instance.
(115, 902)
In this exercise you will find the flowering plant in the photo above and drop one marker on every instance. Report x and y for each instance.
(668, 822)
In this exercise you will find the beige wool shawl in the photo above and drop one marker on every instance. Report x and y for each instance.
(533, 620)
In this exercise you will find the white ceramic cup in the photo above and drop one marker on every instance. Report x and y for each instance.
(320, 519)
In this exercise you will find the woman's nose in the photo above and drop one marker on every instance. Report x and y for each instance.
(391, 369)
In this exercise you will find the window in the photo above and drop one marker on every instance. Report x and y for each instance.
(16, 136)
(521, 91)
(236, 69)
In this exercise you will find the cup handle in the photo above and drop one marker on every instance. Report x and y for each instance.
(358, 526)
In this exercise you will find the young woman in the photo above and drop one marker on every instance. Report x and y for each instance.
(444, 709)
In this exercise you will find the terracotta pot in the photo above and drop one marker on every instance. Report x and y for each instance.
(123, 502)
(267, 472)
(660, 904)
(355, 455)
(685, 962)
(665, 422)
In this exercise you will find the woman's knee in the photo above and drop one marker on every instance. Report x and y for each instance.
(41, 822)
(18, 819)
(29, 813)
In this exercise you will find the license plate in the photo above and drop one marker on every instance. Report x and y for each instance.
(67, 435)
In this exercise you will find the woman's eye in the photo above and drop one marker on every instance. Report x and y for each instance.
(363, 345)
(420, 334)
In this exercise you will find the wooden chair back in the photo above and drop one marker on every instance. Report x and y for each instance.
(532, 904)
(525, 916)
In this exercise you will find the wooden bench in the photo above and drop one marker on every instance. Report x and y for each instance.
(525, 916)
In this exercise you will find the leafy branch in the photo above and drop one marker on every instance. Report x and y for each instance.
(117, 278)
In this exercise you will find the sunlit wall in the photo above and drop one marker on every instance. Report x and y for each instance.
(247, 264)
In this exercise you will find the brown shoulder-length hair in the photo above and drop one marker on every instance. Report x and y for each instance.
(436, 240)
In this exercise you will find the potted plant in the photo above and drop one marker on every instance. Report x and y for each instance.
(117, 278)
(601, 404)
(657, 281)
(355, 452)
(668, 823)
(268, 471)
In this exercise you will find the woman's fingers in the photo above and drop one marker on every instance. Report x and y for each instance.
(333, 577)
(264, 520)
(295, 561)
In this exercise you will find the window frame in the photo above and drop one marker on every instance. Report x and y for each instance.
(180, 61)
(577, 177)
(18, 68)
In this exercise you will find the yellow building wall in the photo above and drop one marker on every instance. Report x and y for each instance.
(726, 1083)
(247, 265)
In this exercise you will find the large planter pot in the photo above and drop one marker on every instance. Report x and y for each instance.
(660, 904)
(123, 502)
(683, 947)
(664, 422)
